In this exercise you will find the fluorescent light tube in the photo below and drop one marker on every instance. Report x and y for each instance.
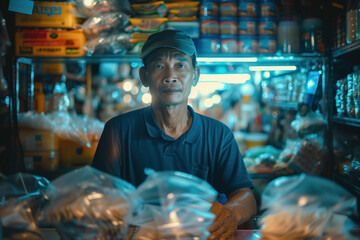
(272, 68)
(225, 78)
(224, 59)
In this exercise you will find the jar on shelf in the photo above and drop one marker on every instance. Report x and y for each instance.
(229, 44)
(267, 26)
(248, 26)
(209, 43)
(247, 44)
(288, 37)
(266, 44)
(312, 36)
(209, 25)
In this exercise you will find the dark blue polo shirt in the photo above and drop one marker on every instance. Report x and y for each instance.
(133, 141)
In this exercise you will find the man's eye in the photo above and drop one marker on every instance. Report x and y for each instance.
(181, 65)
(159, 66)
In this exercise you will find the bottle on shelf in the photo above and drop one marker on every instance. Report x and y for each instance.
(39, 98)
(59, 100)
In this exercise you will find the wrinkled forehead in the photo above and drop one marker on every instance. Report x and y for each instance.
(161, 53)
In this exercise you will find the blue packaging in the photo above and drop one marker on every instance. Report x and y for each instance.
(229, 44)
(248, 8)
(209, 8)
(248, 26)
(209, 25)
(228, 8)
(267, 8)
(267, 44)
(209, 43)
(267, 26)
(228, 25)
(247, 44)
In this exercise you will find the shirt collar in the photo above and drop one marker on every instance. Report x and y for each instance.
(154, 130)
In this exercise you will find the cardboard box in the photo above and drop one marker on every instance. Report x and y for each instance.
(48, 15)
(74, 154)
(44, 160)
(38, 140)
(49, 43)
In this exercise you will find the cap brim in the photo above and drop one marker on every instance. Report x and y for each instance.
(189, 50)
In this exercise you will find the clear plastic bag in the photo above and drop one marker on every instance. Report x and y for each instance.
(310, 157)
(174, 205)
(21, 197)
(306, 207)
(117, 43)
(96, 7)
(88, 204)
(308, 124)
(105, 23)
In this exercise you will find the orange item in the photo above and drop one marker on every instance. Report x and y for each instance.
(50, 43)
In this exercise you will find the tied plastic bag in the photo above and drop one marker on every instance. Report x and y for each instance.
(88, 204)
(96, 7)
(116, 43)
(174, 205)
(106, 23)
(310, 123)
(310, 156)
(306, 207)
(21, 197)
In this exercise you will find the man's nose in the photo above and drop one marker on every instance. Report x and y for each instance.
(170, 76)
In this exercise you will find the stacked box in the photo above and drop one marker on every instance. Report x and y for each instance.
(41, 149)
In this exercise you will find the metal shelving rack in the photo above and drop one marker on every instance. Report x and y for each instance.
(338, 57)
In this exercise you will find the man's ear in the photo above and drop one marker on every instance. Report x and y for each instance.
(196, 76)
(143, 78)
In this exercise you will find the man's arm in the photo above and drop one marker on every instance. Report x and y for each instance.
(240, 207)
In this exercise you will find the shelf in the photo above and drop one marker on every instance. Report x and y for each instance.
(347, 121)
(348, 184)
(254, 59)
(347, 49)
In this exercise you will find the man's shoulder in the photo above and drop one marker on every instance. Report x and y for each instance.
(212, 123)
(129, 117)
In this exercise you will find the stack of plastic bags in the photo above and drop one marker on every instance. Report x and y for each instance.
(89, 204)
(106, 25)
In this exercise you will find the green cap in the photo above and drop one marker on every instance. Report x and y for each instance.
(170, 38)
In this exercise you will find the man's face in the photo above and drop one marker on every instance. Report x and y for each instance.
(169, 74)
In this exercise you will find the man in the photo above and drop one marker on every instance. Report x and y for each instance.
(169, 135)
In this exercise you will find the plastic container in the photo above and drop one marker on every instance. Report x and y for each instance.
(209, 8)
(228, 26)
(267, 26)
(267, 8)
(209, 25)
(42, 160)
(288, 38)
(247, 44)
(267, 44)
(255, 139)
(312, 35)
(228, 8)
(209, 44)
(248, 26)
(248, 8)
(229, 44)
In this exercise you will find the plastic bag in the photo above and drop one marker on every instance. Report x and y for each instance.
(21, 197)
(117, 43)
(96, 7)
(88, 204)
(310, 123)
(174, 205)
(105, 23)
(310, 157)
(306, 207)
